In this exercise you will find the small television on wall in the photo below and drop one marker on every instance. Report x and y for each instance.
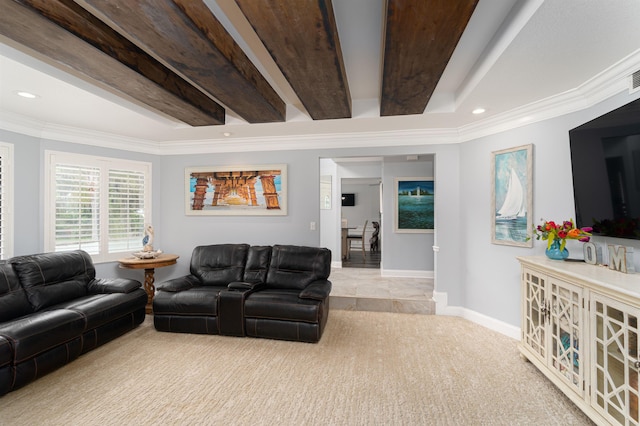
(605, 161)
(348, 200)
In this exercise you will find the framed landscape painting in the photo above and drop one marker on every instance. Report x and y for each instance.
(414, 205)
(236, 190)
(512, 196)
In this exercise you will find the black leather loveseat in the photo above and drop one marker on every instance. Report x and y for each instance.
(53, 309)
(277, 292)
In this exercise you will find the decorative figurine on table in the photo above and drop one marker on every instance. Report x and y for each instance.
(147, 243)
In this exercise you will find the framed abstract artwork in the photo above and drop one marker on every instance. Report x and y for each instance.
(236, 190)
(414, 205)
(512, 196)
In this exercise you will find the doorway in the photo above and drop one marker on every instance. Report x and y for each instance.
(361, 216)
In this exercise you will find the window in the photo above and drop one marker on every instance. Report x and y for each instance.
(6, 201)
(96, 204)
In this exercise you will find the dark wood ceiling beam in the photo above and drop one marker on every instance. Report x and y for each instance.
(302, 38)
(54, 38)
(186, 36)
(420, 37)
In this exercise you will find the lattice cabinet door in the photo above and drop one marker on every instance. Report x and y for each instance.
(614, 354)
(534, 313)
(566, 319)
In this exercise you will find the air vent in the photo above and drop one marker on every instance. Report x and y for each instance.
(634, 82)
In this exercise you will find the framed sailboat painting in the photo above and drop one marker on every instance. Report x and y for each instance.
(512, 196)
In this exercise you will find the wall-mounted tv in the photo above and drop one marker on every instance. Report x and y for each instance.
(348, 200)
(605, 161)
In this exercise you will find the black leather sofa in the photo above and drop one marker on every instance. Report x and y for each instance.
(53, 309)
(276, 292)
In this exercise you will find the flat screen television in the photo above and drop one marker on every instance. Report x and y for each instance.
(348, 200)
(605, 161)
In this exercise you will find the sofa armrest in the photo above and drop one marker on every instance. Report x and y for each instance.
(242, 286)
(112, 285)
(179, 284)
(317, 290)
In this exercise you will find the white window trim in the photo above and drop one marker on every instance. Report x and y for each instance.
(54, 157)
(8, 208)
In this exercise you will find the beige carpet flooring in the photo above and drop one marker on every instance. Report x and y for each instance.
(370, 368)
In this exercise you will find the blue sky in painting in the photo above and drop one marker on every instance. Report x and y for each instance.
(410, 185)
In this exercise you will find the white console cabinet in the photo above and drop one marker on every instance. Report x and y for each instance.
(580, 328)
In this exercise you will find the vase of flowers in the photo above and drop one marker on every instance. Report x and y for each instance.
(554, 252)
(557, 235)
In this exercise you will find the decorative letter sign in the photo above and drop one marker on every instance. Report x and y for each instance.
(621, 258)
(592, 254)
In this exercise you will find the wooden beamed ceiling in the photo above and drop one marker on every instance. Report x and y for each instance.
(175, 57)
(420, 37)
(104, 58)
(302, 37)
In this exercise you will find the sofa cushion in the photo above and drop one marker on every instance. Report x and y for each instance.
(179, 284)
(41, 331)
(318, 290)
(112, 285)
(282, 305)
(258, 258)
(6, 367)
(99, 309)
(219, 264)
(196, 301)
(6, 354)
(52, 278)
(295, 267)
(13, 299)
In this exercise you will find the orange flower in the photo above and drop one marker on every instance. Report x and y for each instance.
(574, 234)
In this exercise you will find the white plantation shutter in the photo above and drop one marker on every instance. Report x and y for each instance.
(77, 208)
(100, 205)
(2, 224)
(126, 202)
(6, 191)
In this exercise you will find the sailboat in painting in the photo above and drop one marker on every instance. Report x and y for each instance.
(514, 205)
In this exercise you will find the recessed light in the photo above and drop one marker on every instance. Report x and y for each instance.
(478, 111)
(27, 95)
(227, 134)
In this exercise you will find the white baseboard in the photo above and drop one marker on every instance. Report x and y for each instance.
(442, 308)
(336, 264)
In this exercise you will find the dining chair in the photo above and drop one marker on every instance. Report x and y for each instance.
(359, 237)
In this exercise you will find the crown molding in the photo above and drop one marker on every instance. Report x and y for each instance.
(20, 124)
(612, 81)
(94, 138)
(324, 141)
(608, 83)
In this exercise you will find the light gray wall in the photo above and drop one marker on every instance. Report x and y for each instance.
(474, 273)
(29, 192)
(178, 233)
(28, 197)
(401, 251)
(181, 233)
(491, 273)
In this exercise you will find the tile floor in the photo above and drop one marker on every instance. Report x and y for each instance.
(364, 289)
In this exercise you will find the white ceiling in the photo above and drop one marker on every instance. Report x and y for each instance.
(518, 59)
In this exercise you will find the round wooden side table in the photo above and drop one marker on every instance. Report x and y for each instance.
(149, 266)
